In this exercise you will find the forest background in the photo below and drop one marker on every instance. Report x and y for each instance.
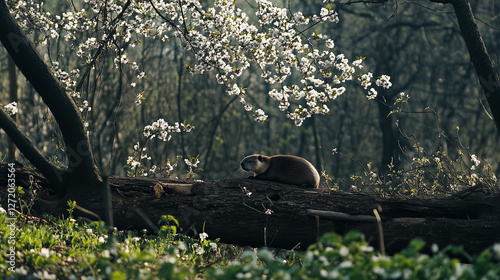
(417, 43)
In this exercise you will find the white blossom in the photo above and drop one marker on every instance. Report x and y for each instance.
(260, 116)
(11, 108)
(383, 81)
(200, 250)
(192, 164)
(402, 97)
(162, 130)
(44, 253)
(372, 94)
(343, 251)
(365, 80)
(475, 162)
(203, 236)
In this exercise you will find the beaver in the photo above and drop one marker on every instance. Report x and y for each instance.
(286, 169)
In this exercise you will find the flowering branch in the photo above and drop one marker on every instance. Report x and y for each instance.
(163, 131)
(303, 71)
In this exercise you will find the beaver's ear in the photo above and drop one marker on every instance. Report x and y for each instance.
(260, 158)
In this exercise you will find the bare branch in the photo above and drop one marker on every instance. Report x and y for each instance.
(29, 150)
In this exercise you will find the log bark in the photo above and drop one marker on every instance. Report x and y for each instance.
(227, 210)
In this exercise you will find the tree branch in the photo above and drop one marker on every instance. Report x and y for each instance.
(441, 1)
(480, 58)
(102, 46)
(29, 150)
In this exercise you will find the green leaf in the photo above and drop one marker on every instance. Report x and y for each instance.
(330, 239)
(118, 275)
(353, 236)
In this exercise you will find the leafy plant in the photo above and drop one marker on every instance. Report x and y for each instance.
(166, 228)
(51, 248)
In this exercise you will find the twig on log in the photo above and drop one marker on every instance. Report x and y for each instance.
(333, 215)
(184, 189)
(147, 220)
(380, 231)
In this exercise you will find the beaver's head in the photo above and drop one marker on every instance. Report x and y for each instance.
(256, 163)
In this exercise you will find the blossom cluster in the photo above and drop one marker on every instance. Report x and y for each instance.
(135, 167)
(226, 41)
(11, 108)
(475, 162)
(138, 162)
(300, 65)
(68, 79)
(163, 131)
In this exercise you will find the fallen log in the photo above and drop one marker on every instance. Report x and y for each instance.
(259, 213)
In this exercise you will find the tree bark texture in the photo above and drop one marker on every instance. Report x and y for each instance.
(483, 65)
(227, 210)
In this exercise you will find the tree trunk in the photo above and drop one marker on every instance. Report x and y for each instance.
(479, 56)
(225, 209)
(11, 150)
(389, 142)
